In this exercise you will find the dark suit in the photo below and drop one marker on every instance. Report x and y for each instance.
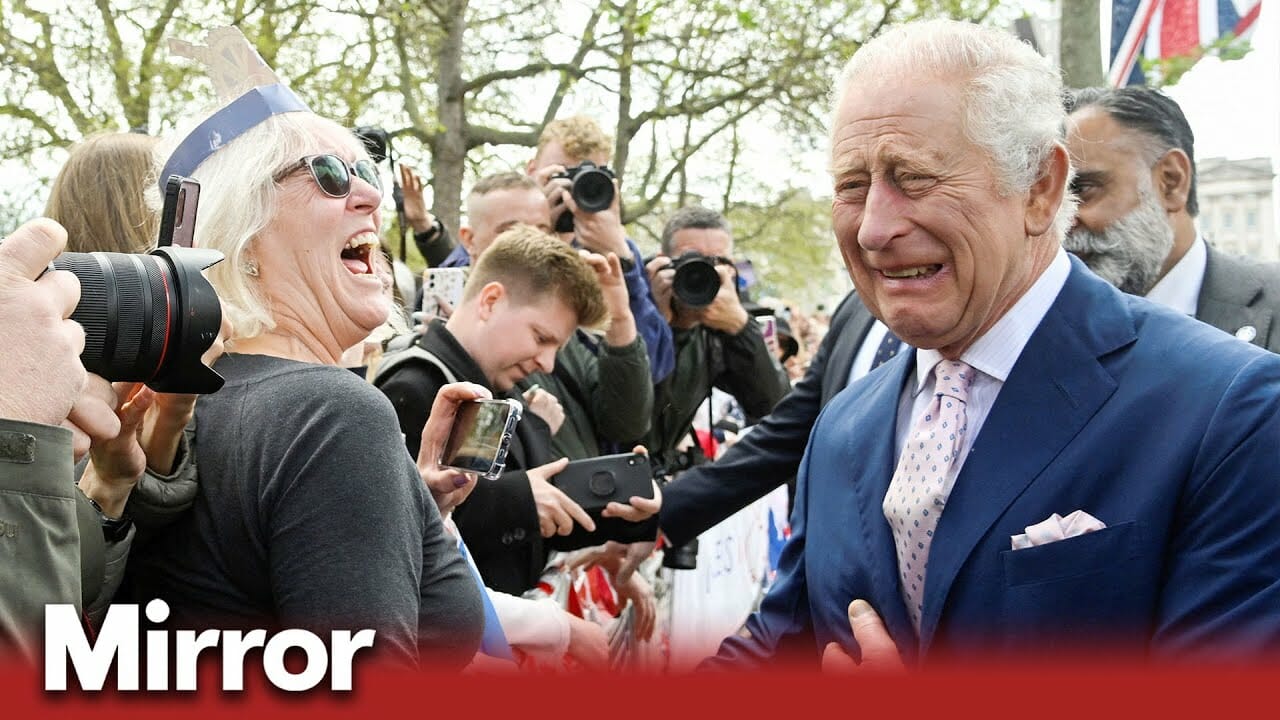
(1162, 428)
(770, 454)
(1237, 293)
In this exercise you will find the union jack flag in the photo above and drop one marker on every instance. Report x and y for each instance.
(1163, 29)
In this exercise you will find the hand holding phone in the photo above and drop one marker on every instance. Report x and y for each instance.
(480, 436)
(442, 290)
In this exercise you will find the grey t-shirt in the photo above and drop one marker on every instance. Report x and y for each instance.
(311, 514)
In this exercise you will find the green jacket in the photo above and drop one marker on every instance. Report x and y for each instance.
(51, 544)
(607, 395)
(740, 364)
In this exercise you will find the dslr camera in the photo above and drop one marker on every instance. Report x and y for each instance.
(375, 139)
(591, 186)
(149, 317)
(696, 282)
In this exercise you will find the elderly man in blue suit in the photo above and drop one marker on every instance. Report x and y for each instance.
(1059, 466)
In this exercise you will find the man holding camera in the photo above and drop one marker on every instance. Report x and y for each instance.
(50, 408)
(717, 342)
(571, 166)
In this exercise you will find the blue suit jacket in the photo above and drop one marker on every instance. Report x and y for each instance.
(1160, 426)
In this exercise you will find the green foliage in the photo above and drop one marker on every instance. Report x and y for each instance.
(1166, 72)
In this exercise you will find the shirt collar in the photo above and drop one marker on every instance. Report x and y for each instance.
(995, 352)
(1180, 287)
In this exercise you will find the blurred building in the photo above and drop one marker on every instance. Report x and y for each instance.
(1237, 213)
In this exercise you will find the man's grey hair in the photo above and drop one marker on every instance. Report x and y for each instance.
(239, 197)
(1012, 97)
(695, 217)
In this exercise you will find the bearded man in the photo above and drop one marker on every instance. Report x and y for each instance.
(1136, 182)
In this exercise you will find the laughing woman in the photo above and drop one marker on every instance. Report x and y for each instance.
(310, 514)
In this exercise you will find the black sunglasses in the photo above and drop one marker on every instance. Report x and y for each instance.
(333, 174)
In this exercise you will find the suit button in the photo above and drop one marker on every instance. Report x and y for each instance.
(506, 538)
(519, 534)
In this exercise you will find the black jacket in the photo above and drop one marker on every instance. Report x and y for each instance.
(499, 520)
(770, 454)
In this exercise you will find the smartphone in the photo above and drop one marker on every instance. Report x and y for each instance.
(178, 220)
(768, 327)
(596, 482)
(480, 437)
(442, 284)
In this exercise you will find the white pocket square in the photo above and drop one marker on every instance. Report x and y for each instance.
(1057, 528)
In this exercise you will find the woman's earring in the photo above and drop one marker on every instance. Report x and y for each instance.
(250, 268)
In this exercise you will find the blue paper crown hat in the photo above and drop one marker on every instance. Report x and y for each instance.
(239, 72)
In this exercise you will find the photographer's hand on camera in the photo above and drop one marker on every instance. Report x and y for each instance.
(448, 487)
(661, 277)
(556, 189)
(41, 377)
(600, 232)
(556, 512)
(725, 313)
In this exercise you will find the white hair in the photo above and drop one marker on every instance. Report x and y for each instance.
(239, 198)
(1012, 98)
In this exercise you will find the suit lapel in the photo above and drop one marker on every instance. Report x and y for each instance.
(872, 464)
(1228, 296)
(1055, 387)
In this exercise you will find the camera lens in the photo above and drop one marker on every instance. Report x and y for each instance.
(683, 557)
(696, 281)
(593, 190)
(147, 318)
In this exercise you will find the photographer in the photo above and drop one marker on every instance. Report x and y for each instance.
(562, 149)
(43, 385)
(717, 345)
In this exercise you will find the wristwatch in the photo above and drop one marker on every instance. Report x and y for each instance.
(433, 233)
(113, 529)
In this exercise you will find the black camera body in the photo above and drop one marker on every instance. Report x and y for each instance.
(592, 189)
(696, 282)
(375, 139)
(150, 317)
(678, 557)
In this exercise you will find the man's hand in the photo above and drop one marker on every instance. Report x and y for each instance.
(879, 653)
(41, 376)
(555, 189)
(546, 406)
(415, 204)
(661, 275)
(448, 487)
(588, 644)
(600, 232)
(725, 313)
(622, 324)
(556, 512)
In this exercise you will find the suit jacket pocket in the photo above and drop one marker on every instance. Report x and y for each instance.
(1085, 554)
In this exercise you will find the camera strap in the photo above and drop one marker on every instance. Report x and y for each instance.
(414, 352)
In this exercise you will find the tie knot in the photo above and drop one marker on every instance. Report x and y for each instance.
(953, 379)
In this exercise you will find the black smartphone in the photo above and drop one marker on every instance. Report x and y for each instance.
(178, 220)
(480, 436)
(596, 482)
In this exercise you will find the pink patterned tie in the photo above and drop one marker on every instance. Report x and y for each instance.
(922, 481)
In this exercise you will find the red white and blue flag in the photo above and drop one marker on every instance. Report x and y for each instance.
(1163, 29)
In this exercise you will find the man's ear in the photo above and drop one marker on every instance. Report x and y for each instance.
(1046, 194)
(1171, 177)
(490, 295)
(467, 236)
